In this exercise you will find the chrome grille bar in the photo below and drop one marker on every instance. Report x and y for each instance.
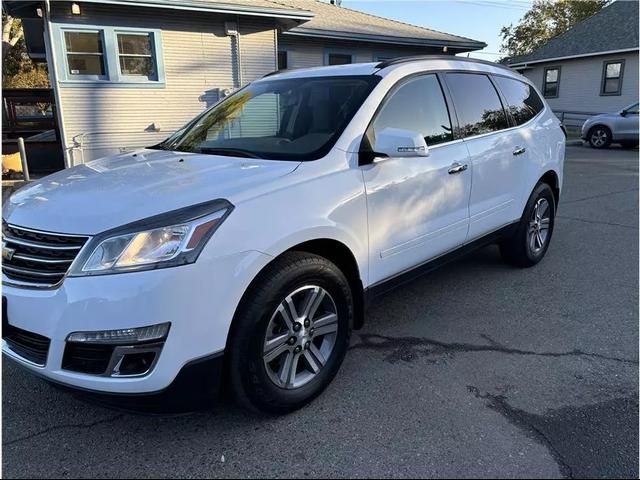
(38, 259)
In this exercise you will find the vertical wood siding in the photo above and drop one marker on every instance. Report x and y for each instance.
(580, 83)
(200, 62)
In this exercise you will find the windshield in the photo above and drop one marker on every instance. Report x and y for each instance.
(289, 119)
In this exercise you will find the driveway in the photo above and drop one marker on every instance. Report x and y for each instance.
(477, 370)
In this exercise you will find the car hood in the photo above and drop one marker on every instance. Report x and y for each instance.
(602, 117)
(114, 191)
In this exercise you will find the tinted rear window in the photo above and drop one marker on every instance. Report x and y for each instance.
(524, 103)
(477, 104)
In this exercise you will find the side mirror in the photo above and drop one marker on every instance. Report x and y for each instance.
(397, 142)
(624, 113)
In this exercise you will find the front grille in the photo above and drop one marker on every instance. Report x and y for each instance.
(87, 358)
(38, 258)
(28, 345)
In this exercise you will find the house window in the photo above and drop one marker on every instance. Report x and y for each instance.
(135, 54)
(283, 61)
(551, 82)
(104, 55)
(339, 59)
(612, 78)
(85, 53)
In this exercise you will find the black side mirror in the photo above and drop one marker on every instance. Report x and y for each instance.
(624, 113)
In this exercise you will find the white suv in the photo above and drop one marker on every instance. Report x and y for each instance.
(249, 242)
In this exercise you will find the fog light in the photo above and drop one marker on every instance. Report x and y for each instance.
(126, 336)
(135, 364)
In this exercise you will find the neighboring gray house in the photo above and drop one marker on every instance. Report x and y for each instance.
(591, 68)
(127, 73)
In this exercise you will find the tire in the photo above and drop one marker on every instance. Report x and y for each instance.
(261, 320)
(599, 137)
(524, 248)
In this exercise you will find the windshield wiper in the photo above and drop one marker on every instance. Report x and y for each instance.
(230, 152)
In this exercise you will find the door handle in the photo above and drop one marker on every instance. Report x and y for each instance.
(519, 150)
(457, 168)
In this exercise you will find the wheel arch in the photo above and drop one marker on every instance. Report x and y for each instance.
(551, 178)
(331, 249)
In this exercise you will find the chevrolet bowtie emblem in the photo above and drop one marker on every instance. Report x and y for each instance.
(7, 253)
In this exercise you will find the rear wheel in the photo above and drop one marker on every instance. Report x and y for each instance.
(599, 137)
(528, 245)
(291, 333)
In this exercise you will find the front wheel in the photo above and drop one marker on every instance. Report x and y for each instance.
(528, 245)
(599, 137)
(290, 334)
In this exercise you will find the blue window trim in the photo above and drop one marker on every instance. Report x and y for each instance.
(338, 51)
(113, 76)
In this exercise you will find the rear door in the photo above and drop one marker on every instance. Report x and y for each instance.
(495, 154)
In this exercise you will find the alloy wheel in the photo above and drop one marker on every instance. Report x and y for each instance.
(599, 137)
(538, 232)
(300, 337)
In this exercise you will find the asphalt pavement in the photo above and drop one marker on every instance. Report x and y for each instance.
(477, 370)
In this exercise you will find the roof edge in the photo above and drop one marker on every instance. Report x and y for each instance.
(362, 37)
(290, 13)
(569, 57)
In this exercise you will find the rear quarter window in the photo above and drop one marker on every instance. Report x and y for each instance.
(523, 101)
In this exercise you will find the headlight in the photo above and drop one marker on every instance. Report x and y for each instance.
(171, 239)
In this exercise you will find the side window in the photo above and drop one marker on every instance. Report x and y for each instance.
(612, 78)
(524, 103)
(339, 59)
(418, 105)
(85, 53)
(135, 54)
(477, 103)
(551, 84)
(283, 60)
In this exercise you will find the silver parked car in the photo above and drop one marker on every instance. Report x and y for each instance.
(619, 127)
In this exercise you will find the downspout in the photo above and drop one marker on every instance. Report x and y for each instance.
(53, 77)
(235, 33)
(239, 52)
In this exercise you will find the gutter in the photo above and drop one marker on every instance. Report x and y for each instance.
(316, 33)
(569, 57)
(229, 8)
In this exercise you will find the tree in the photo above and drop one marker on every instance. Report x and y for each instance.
(18, 71)
(545, 20)
(12, 33)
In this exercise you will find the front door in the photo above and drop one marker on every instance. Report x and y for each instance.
(626, 127)
(417, 207)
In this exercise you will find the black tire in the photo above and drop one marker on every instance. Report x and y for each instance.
(599, 137)
(251, 383)
(517, 249)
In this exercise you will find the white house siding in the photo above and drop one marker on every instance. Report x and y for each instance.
(580, 83)
(303, 52)
(200, 62)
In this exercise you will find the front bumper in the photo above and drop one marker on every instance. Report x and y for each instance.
(199, 300)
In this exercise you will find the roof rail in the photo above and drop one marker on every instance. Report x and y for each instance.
(418, 58)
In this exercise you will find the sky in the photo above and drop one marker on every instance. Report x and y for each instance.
(476, 19)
